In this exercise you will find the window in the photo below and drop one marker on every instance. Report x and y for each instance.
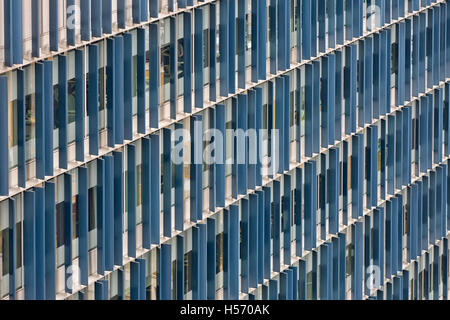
(12, 139)
(55, 107)
(4, 246)
(265, 117)
(219, 253)
(60, 224)
(18, 244)
(206, 49)
(174, 280)
(394, 60)
(188, 272)
(272, 212)
(92, 208)
(248, 37)
(30, 113)
(75, 217)
(147, 72)
(180, 58)
(350, 259)
(101, 86)
(139, 185)
(165, 62)
(71, 100)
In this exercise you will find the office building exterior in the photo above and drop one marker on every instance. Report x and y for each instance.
(327, 123)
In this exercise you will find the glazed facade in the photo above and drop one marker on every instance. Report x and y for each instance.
(350, 101)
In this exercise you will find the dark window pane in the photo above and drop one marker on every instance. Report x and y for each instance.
(55, 107)
(18, 244)
(165, 62)
(75, 215)
(71, 100)
(92, 208)
(219, 253)
(188, 272)
(4, 238)
(60, 224)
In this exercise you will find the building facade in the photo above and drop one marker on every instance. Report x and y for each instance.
(312, 137)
